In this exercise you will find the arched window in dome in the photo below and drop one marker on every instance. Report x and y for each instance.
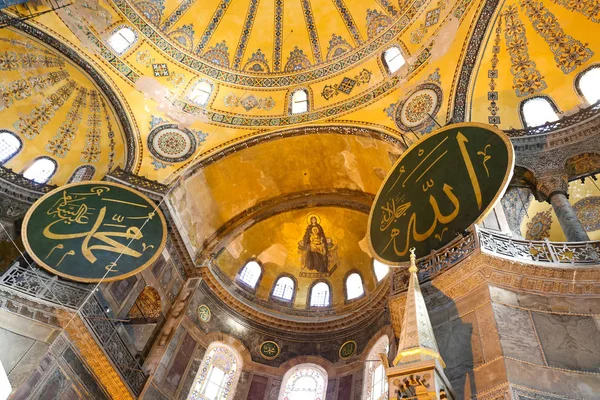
(375, 385)
(393, 59)
(354, 286)
(122, 39)
(299, 101)
(83, 173)
(41, 170)
(381, 270)
(250, 274)
(588, 84)
(304, 382)
(284, 289)
(218, 374)
(200, 94)
(320, 295)
(537, 111)
(10, 144)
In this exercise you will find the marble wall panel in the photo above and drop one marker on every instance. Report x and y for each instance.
(331, 387)
(192, 371)
(569, 341)
(274, 390)
(180, 363)
(258, 388)
(345, 388)
(83, 374)
(517, 336)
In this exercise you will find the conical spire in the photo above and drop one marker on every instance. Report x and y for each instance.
(417, 341)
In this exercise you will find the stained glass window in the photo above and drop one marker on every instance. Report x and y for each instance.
(9, 146)
(284, 288)
(393, 59)
(537, 111)
(122, 40)
(381, 270)
(218, 374)
(319, 295)
(589, 85)
(304, 382)
(200, 93)
(83, 173)
(41, 170)
(375, 386)
(299, 101)
(354, 286)
(250, 274)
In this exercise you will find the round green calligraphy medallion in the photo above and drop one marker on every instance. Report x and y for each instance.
(437, 189)
(269, 350)
(348, 349)
(85, 231)
(204, 313)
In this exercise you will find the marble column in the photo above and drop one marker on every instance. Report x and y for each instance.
(553, 188)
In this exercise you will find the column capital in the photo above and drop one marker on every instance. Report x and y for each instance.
(548, 185)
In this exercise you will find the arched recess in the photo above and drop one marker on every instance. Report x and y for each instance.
(582, 165)
(144, 319)
(304, 382)
(374, 381)
(218, 374)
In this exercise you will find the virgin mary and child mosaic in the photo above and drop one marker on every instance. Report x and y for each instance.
(318, 253)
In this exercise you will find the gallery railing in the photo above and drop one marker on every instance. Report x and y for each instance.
(38, 285)
(500, 245)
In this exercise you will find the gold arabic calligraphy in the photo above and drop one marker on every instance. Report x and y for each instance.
(398, 206)
(71, 208)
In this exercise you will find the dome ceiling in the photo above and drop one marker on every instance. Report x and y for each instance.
(263, 37)
(56, 109)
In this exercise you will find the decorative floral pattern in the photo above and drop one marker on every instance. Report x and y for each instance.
(91, 151)
(494, 118)
(568, 53)
(538, 227)
(589, 8)
(347, 84)
(60, 144)
(171, 144)
(297, 61)
(527, 79)
(588, 212)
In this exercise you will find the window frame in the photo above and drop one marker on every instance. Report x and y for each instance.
(280, 300)
(362, 281)
(577, 82)
(80, 168)
(292, 372)
(291, 100)
(239, 365)
(32, 163)
(525, 101)
(116, 31)
(244, 284)
(377, 280)
(385, 63)
(195, 87)
(16, 152)
(370, 366)
(310, 295)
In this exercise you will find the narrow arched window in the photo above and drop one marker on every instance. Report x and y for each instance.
(354, 286)
(299, 101)
(588, 84)
(122, 40)
(218, 374)
(381, 270)
(284, 288)
(393, 59)
(375, 386)
(319, 295)
(200, 94)
(250, 274)
(83, 173)
(537, 111)
(304, 382)
(41, 170)
(10, 145)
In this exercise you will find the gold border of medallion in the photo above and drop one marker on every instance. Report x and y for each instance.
(94, 280)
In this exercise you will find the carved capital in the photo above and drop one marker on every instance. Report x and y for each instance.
(548, 185)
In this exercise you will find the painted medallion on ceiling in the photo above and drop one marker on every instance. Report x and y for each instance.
(588, 212)
(171, 144)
